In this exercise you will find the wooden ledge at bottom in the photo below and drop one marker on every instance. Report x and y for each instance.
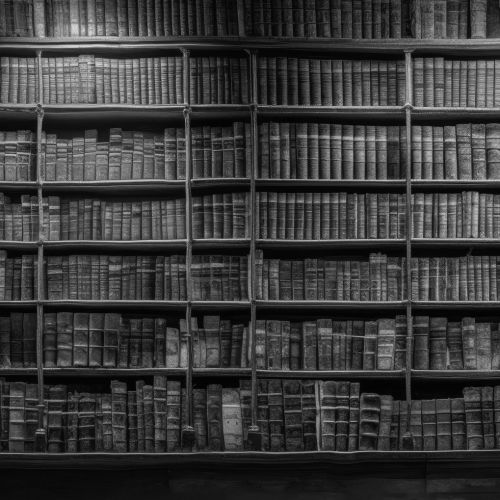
(366, 459)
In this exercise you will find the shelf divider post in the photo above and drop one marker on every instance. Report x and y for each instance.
(188, 438)
(254, 434)
(40, 432)
(407, 441)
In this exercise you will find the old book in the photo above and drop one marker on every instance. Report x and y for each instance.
(384, 432)
(369, 421)
(293, 415)
(487, 417)
(443, 424)
(309, 414)
(173, 415)
(232, 426)
(458, 425)
(214, 417)
(429, 429)
(473, 418)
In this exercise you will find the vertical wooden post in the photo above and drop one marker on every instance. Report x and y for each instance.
(407, 438)
(40, 433)
(254, 435)
(188, 435)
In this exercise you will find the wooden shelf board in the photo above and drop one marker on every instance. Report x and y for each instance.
(7, 107)
(272, 244)
(17, 304)
(18, 186)
(455, 243)
(77, 112)
(285, 244)
(221, 372)
(112, 372)
(122, 305)
(364, 185)
(219, 182)
(18, 245)
(455, 375)
(224, 459)
(338, 112)
(453, 113)
(114, 186)
(144, 372)
(455, 305)
(333, 374)
(334, 305)
(392, 46)
(18, 372)
(449, 185)
(222, 306)
(137, 245)
(220, 244)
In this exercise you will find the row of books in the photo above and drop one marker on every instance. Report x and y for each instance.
(90, 79)
(330, 82)
(146, 277)
(93, 79)
(17, 155)
(310, 19)
(470, 277)
(469, 214)
(447, 19)
(453, 82)
(286, 150)
(113, 219)
(220, 277)
(326, 344)
(329, 19)
(375, 277)
(140, 418)
(219, 80)
(221, 151)
(119, 155)
(18, 340)
(440, 343)
(323, 215)
(461, 151)
(303, 415)
(18, 80)
(19, 218)
(119, 18)
(221, 215)
(309, 150)
(116, 277)
(18, 277)
(113, 340)
(292, 415)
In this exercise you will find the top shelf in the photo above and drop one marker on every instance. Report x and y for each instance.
(458, 47)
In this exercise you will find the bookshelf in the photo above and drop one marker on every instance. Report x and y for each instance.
(406, 115)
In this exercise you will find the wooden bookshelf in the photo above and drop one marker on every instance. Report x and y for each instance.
(253, 111)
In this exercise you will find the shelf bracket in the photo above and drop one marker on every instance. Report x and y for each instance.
(39, 110)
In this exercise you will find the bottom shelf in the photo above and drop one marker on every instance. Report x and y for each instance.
(154, 460)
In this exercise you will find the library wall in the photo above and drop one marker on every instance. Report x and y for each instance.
(251, 234)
